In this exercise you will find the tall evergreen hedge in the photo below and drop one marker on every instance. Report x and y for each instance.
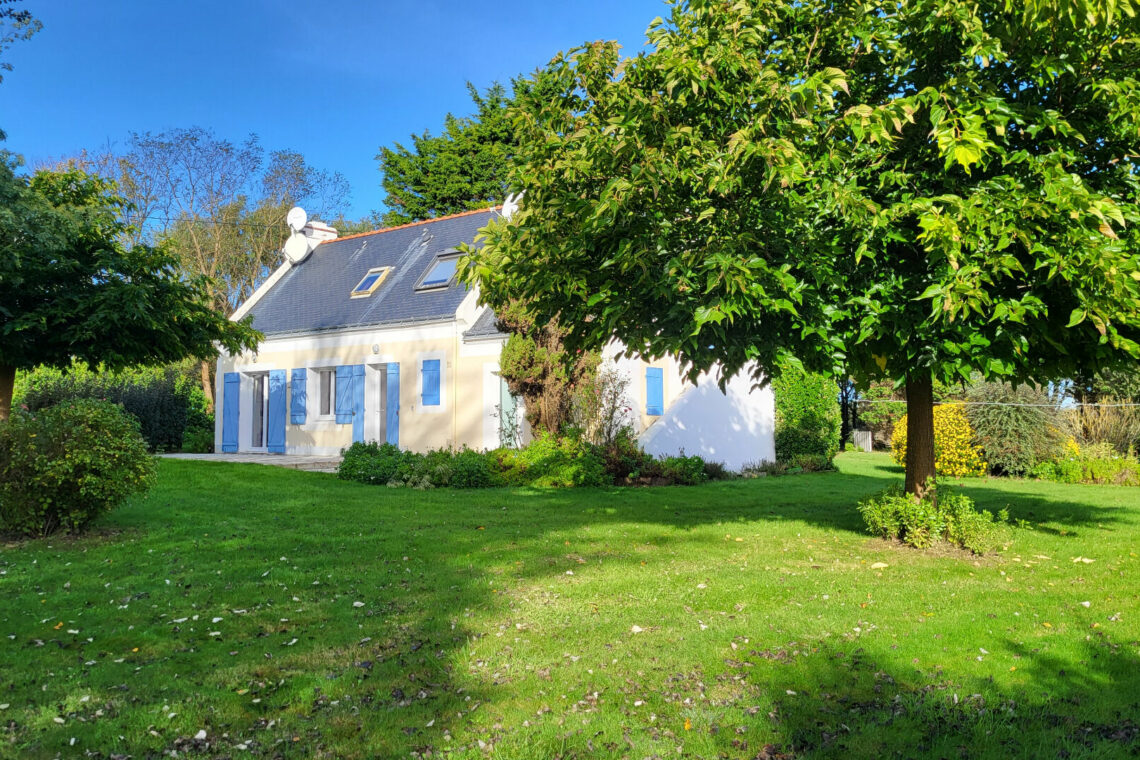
(166, 401)
(807, 417)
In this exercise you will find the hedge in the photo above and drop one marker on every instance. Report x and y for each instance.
(807, 417)
(166, 401)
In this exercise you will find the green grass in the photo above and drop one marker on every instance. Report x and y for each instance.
(500, 624)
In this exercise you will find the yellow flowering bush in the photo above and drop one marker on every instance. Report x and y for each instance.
(955, 453)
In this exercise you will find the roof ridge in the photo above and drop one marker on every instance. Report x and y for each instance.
(417, 224)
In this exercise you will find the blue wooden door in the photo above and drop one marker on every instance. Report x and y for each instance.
(393, 401)
(231, 389)
(358, 403)
(275, 438)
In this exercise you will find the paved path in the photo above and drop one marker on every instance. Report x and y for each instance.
(291, 461)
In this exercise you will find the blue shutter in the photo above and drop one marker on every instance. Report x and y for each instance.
(297, 407)
(654, 391)
(358, 403)
(343, 394)
(231, 390)
(393, 421)
(431, 382)
(277, 410)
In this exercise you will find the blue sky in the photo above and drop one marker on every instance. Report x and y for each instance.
(334, 80)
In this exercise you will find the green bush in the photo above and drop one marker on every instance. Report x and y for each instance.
(807, 414)
(553, 461)
(1095, 464)
(63, 466)
(943, 515)
(199, 439)
(166, 401)
(682, 470)
(373, 463)
(623, 457)
(1013, 439)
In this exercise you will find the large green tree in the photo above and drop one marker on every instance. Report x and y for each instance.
(917, 191)
(464, 167)
(70, 288)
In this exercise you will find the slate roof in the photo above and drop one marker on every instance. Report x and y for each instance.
(486, 326)
(314, 295)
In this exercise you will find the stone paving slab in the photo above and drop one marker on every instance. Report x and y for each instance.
(289, 461)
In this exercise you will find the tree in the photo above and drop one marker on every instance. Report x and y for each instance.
(917, 191)
(70, 289)
(16, 24)
(464, 167)
(536, 366)
(218, 207)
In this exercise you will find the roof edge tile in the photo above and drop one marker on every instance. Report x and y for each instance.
(417, 224)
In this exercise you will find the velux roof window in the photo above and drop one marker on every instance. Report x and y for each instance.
(371, 282)
(440, 273)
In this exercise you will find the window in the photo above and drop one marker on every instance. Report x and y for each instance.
(328, 390)
(440, 273)
(371, 282)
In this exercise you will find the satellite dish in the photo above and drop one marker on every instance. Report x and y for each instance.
(297, 247)
(511, 204)
(297, 218)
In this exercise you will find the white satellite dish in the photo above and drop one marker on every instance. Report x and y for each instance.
(297, 218)
(297, 247)
(511, 204)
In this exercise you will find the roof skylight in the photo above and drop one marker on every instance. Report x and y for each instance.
(371, 282)
(440, 274)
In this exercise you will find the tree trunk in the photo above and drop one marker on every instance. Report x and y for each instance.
(919, 433)
(7, 386)
(207, 386)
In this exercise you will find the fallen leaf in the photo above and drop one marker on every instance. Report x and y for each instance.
(879, 566)
(637, 629)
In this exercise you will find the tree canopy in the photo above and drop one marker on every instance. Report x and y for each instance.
(71, 289)
(464, 167)
(914, 191)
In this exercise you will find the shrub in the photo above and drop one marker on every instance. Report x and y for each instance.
(199, 439)
(682, 470)
(1096, 463)
(1013, 439)
(601, 408)
(63, 466)
(942, 515)
(553, 461)
(1118, 426)
(718, 471)
(623, 457)
(164, 400)
(955, 454)
(807, 414)
(373, 463)
(473, 469)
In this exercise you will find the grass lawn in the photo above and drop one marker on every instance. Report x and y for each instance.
(287, 614)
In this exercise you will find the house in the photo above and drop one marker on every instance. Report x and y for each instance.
(371, 337)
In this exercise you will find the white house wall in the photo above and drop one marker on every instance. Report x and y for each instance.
(736, 427)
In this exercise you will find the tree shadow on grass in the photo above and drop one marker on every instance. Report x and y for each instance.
(295, 616)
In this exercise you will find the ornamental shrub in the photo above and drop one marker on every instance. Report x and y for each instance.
(1097, 463)
(955, 453)
(941, 516)
(63, 466)
(553, 461)
(682, 470)
(807, 414)
(165, 401)
(1013, 439)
